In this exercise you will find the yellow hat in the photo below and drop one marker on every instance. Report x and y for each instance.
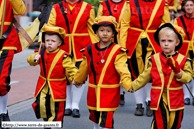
(104, 21)
(51, 30)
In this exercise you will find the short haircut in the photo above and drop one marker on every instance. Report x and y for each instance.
(167, 31)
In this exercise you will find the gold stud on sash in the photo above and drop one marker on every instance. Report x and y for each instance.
(115, 9)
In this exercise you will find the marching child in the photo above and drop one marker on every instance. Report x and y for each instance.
(56, 67)
(168, 71)
(105, 63)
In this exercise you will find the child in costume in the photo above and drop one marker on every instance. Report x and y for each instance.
(105, 63)
(106, 9)
(77, 18)
(168, 71)
(56, 67)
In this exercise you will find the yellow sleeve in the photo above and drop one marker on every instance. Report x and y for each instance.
(83, 71)
(122, 69)
(90, 22)
(166, 16)
(18, 7)
(187, 73)
(125, 24)
(30, 60)
(175, 6)
(69, 67)
(175, 22)
(143, 78)
(51, 21)
(100, 9)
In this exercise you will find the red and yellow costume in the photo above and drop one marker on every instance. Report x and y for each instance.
(166, 90)
(12, 43)
(110, 8)
(104, 79)
(173, 5)
(77, 20)
(188, 26)
(53, 68)
(141, 19)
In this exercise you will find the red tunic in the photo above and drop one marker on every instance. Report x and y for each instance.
(166, 79)
(55, 75)
(12, 42)
(78, 37)
(104, 90)
(137, 28)
(189, 33)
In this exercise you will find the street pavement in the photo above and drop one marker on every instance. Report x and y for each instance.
(23, 83)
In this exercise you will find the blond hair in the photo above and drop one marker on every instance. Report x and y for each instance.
(168, 32)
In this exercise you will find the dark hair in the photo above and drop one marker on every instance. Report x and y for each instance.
(183, 4)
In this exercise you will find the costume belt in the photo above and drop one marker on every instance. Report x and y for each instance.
(49, 79)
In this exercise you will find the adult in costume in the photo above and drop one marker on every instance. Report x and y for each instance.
(12, 43)
(186, 21)
(114, 8)
(141, 19)
(76, 17)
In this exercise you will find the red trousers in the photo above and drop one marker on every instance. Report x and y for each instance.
(6, 57)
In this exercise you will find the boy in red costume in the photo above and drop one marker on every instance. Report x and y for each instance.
(105, 63)
(56, 67)
(168, 71)
(114, 8)
(76, 17)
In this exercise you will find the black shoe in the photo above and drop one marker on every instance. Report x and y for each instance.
(76, 113)
(148, 111)
(68, 112)
(122, 99)
(187, 101)
(139, 110)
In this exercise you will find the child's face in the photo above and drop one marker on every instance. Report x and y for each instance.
(168, 43)
(105, 33)
(52, 42)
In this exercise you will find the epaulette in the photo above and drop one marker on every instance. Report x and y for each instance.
(166, 3)
(82, 50)
(66, 55)
(124, 50)
(188, 59)
(93, 6)
(149, 58)
(127, 1)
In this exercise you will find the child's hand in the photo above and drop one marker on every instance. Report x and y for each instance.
(36, 58)
(173, 64)
(131, 90)
(77, 84)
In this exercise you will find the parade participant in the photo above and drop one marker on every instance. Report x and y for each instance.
(55, 64)
(186, 21)
(173, 6)
(76, 17)
(114, 8)
(141, 18)
(105, 63)
(168, 71)
(12, 43)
